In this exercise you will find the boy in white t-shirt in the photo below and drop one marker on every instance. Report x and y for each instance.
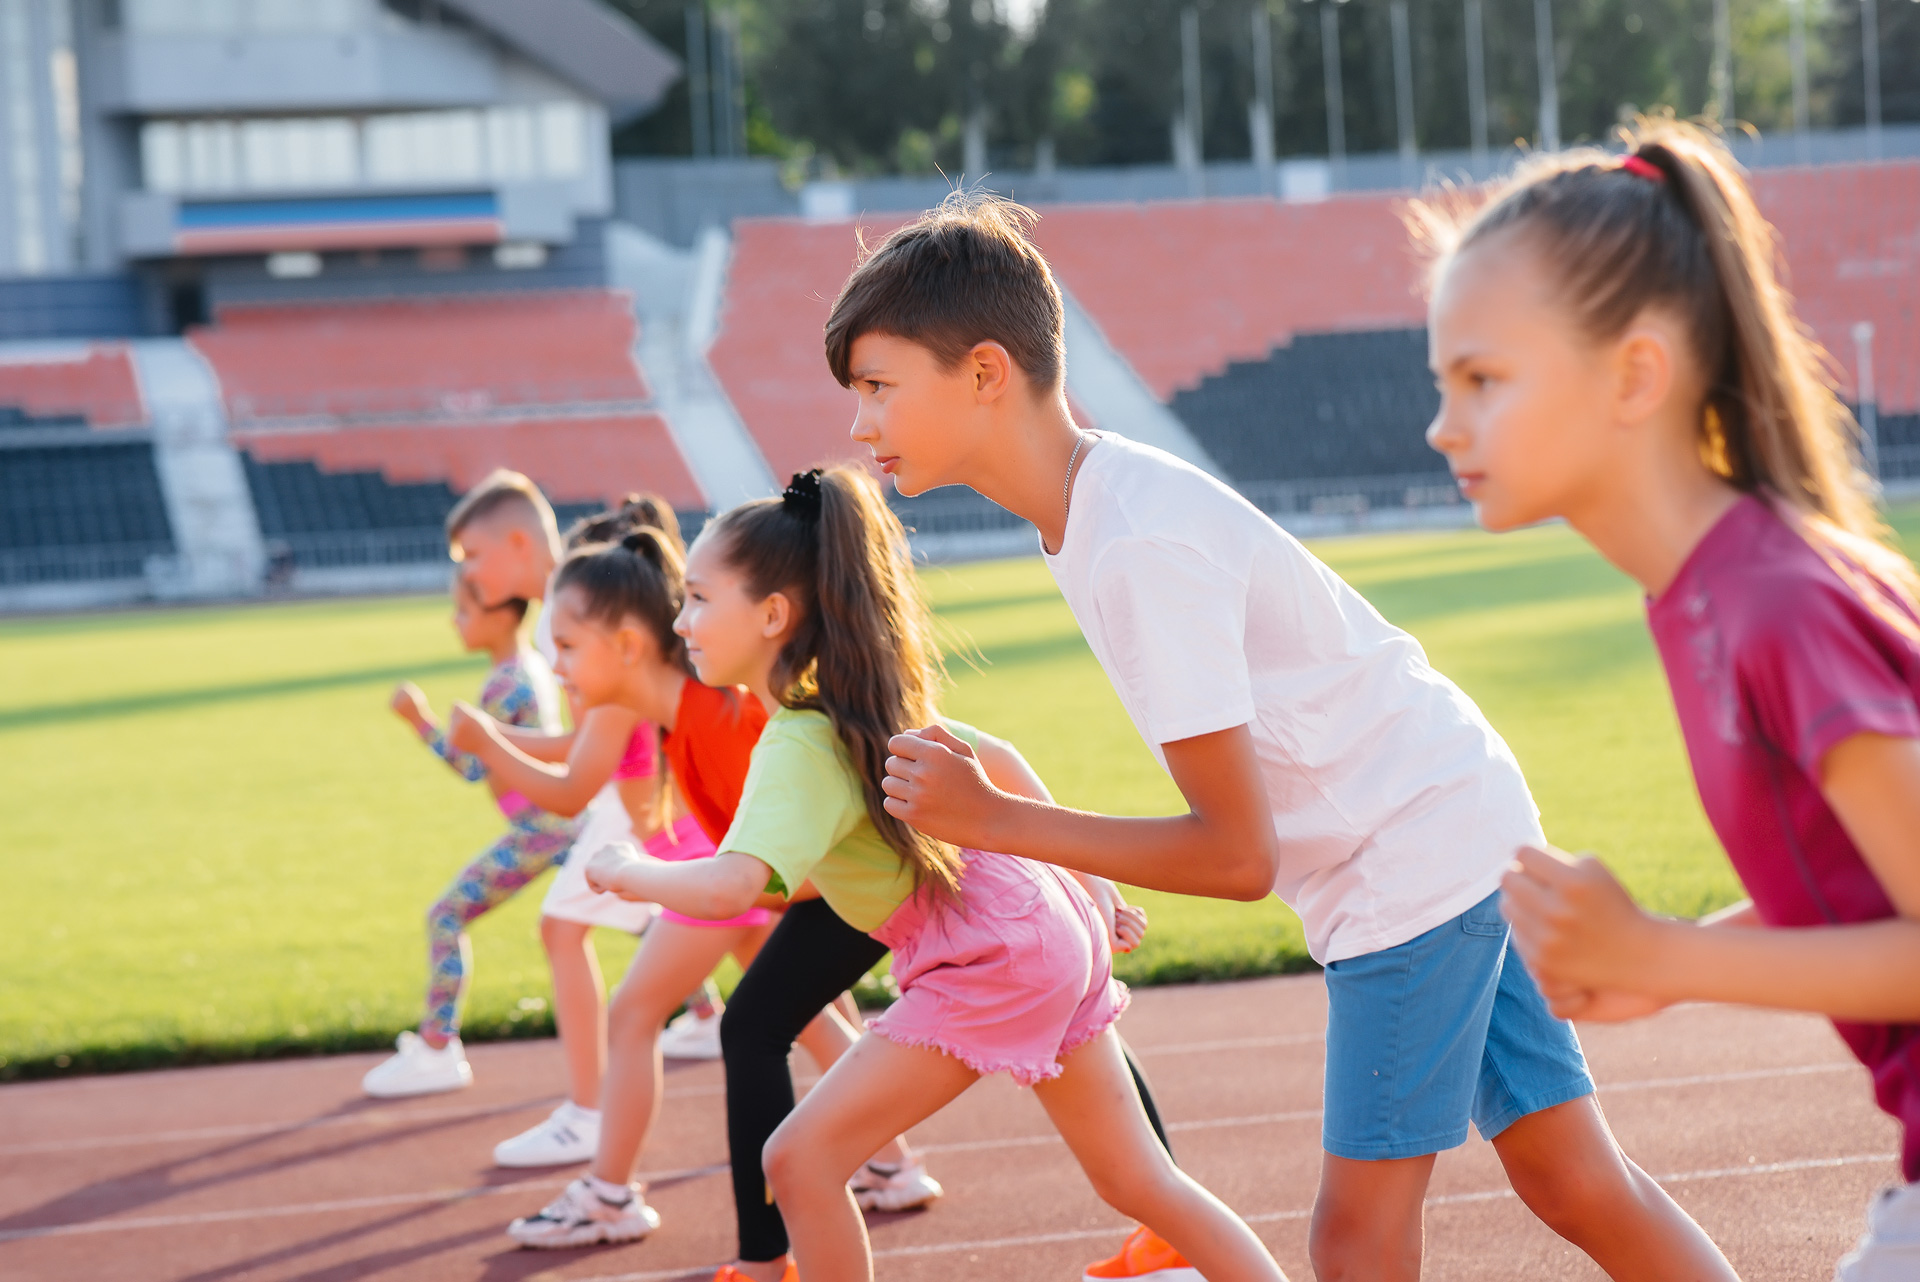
(506, 541)
(1322, 758)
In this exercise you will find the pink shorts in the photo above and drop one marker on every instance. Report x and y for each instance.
(685, 840)
(1015, 977)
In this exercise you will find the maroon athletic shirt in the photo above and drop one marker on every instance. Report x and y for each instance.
(1773, 659)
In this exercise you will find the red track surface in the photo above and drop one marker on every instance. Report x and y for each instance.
(1760, 1124)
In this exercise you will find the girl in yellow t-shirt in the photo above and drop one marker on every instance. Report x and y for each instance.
(811, 602)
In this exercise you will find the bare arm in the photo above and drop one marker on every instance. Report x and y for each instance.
(713, 889)
(537, 744)
(1586, 940)
(564, 789)
(1224, 846)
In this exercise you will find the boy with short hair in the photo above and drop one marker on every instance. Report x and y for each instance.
(504, 537)
(1322, 758)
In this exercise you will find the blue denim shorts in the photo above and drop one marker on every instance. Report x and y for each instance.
(1445, 1028)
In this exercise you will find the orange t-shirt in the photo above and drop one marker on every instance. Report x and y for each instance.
(712, 741)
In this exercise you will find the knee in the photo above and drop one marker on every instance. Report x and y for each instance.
(1576, 1199)
(1342, 1244)
(785, 1160)
(1135, 1191)
(743, 1036)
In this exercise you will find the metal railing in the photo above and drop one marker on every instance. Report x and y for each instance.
(21, 566)
(340, 548)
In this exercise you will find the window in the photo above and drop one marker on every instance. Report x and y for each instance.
(402, 149)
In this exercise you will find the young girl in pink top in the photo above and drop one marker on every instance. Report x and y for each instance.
(1613, 348)
(811, 602)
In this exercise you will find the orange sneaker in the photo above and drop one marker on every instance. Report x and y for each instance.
(728, 1273)
(1146, 1255)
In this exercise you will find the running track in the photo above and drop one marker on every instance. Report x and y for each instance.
(1759, 1123)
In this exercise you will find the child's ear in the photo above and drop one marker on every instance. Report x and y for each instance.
(631, 643)
(992, 369)
(776, 614)
(1645, 371)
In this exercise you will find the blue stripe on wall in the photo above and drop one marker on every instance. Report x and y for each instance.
(349, 209)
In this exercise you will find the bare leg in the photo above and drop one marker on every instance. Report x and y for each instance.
(672, 957)
(1566, 1166)
(1367, 1220)
(874, 1092)
(579, 1006)
(1096, 1108)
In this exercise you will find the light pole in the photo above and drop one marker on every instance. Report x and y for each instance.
(1336, 111)
(1190, 92)
(1476, 88)
(1403, 90)
(1549, 75)
(1797, 53)
(697, 79)
(1870, 65)
(1720, 76)
(1869, 399)
(1260, 112)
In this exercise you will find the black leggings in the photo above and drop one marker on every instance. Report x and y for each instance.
(811, 957)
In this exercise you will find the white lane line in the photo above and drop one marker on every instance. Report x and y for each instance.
(1266, 1217)
(319, 1208)
(371, 1117)
(1233, 1044)
(398, 1117)
(1741, 1075)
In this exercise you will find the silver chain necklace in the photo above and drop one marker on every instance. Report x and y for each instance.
(1066, 489)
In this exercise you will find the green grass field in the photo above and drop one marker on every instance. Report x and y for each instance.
(220, 844)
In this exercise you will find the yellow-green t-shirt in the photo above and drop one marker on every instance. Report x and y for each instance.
(804, 815)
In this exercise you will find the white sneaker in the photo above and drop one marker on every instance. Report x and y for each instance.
(881, 1186)
(416, 1068)
(570, 1134)
(687, 1036)
(581, 1217)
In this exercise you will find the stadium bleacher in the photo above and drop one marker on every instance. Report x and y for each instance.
(1325, 405)
(422, 356)
(378, 495)
(768, 354)
(76, 511)
(361, 421)
(94, 381)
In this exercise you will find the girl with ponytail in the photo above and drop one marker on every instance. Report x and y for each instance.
(613, 607)
(811, 601)
(1614, 347)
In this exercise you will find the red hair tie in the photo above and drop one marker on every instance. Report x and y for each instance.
(1641, 167)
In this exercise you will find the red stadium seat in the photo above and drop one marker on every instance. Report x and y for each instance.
(448, 388)
(95, 382)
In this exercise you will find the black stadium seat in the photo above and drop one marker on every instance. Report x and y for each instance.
(1326, 405)
(78, 511)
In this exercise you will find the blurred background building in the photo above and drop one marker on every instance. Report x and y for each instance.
(279, 278)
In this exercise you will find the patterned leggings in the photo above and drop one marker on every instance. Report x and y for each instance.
(526, 851)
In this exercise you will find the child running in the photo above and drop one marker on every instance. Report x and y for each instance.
(811, 602)
(503, 536)
(1613, 348)
(1322, 759)
(519, 691)
(613, 610)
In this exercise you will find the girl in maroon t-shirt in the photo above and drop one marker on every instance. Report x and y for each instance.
(1613, 348)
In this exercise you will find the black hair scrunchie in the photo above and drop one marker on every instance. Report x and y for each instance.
(643, 543)
(801, 498)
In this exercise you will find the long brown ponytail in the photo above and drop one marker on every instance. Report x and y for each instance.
(863, 649)
(1678, 229)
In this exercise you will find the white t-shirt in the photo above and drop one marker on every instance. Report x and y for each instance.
(1396, 804)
